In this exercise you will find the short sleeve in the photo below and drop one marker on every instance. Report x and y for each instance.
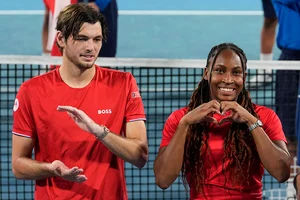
(23, 123)
(134, 107)
(272, 124)
(171, 126)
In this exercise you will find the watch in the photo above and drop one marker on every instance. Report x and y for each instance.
(255, 125)
(105, 132)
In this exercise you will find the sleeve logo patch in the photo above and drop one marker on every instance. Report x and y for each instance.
(16, 105)
(135, 94)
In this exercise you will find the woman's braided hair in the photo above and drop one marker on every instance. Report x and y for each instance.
(239, 147)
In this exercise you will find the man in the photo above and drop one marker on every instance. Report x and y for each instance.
(84, 158)
(288, 41)
(267, 40)
(296, 184)
(287, 81)
(108, 8)
(52, 9)
(268, 31)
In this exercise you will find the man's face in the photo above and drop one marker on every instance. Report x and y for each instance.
(226, 78)
(83, 49)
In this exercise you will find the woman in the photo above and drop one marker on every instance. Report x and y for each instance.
(222, 141)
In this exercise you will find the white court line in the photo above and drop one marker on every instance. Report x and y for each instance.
(21, 12)
(154, 12)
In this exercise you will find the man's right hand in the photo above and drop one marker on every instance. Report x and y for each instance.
(61, 170)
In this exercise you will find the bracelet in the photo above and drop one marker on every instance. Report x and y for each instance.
(255, 125)
(104, 134)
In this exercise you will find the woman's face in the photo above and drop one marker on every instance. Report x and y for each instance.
(226, 78)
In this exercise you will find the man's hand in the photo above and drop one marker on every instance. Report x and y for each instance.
(61, 170)
(81, 119)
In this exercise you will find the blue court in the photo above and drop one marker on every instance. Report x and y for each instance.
(149, 36)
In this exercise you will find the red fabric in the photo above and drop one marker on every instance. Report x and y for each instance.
(214, 177)
(51, 5)
(108, 100)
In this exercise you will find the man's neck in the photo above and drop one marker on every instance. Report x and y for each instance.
(76, 77)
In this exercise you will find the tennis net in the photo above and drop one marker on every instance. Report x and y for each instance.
(165, 85)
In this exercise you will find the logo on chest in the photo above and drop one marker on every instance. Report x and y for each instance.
(104, 111)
